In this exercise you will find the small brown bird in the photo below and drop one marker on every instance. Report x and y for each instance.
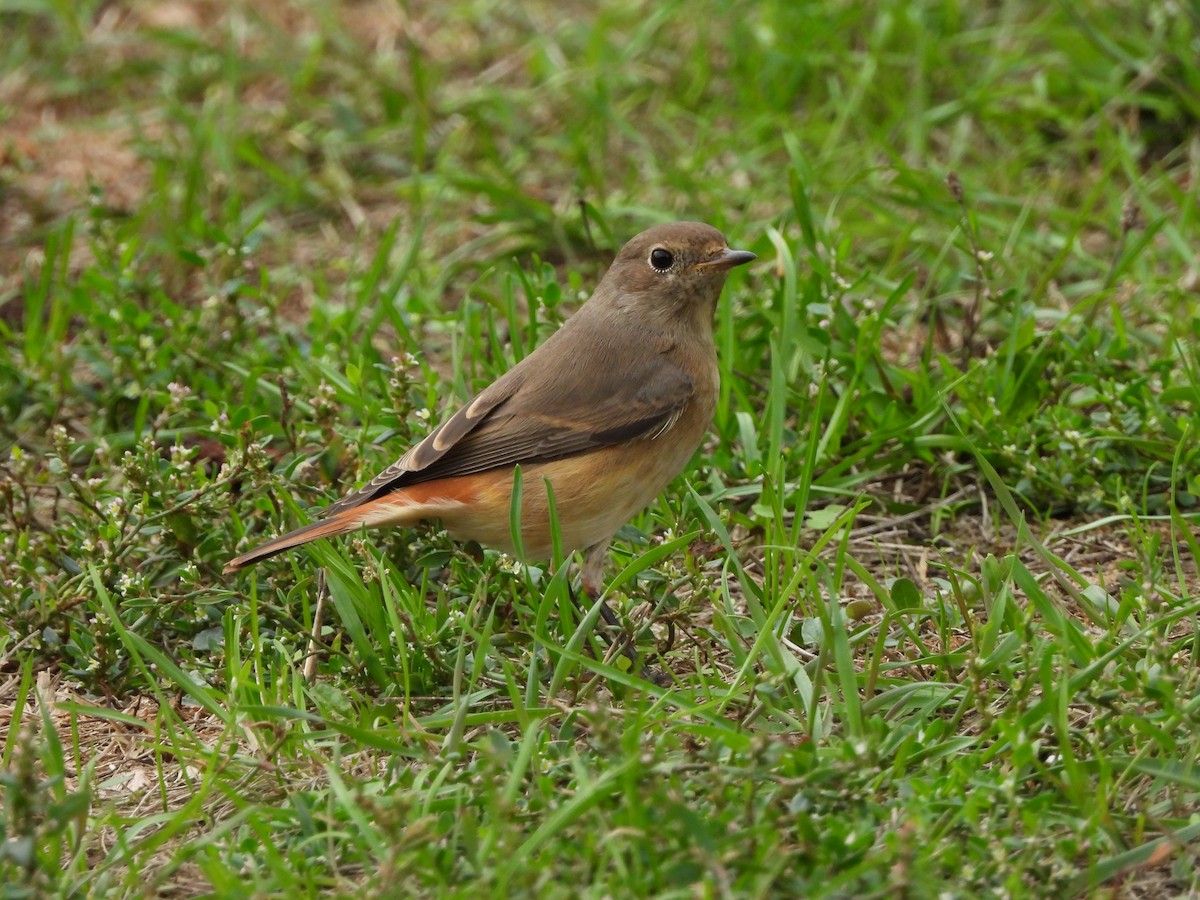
(608, 410)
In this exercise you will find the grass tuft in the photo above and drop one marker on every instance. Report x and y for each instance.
(925, 603)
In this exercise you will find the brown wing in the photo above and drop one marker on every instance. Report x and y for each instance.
(510, 436)
(524, 419)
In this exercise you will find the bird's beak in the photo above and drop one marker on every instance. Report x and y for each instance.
(727, 259)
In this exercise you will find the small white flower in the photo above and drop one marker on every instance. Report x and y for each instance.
(510, 564)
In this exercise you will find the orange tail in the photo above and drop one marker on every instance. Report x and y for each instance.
(403, 507)
(339, 524)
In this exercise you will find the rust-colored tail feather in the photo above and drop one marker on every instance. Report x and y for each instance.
(339, 524)
(403, 507)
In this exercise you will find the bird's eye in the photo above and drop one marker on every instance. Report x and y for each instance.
(661, 259)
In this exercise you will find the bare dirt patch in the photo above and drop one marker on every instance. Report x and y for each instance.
(51, 168)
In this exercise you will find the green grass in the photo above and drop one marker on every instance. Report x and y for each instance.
(927, 598)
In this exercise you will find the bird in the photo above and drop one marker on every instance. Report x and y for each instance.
(607, 411)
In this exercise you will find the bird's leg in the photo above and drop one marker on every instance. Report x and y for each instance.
(594, 558)
(592, 582)
(610, 619)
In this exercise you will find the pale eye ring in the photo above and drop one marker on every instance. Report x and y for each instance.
(661, 259)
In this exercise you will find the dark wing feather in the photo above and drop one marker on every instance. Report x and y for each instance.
(525, 422)
(509, 444)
